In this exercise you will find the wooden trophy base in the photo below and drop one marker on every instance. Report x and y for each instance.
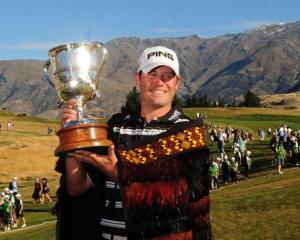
(83, 136)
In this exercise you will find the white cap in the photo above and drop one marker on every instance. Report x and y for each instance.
(158, 56)
(233, 159)
(248, 153)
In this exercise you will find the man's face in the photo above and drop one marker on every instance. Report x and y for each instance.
(158, 87)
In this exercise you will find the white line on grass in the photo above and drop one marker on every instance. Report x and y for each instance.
(24, 228)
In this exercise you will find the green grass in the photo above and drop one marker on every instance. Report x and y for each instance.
(45, 231)
(266, 206)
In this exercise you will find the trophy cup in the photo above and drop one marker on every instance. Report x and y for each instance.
(75, 69)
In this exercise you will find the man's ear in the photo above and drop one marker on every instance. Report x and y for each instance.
(137, 79)
(179, 79)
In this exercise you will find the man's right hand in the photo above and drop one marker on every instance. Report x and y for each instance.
(68, 112)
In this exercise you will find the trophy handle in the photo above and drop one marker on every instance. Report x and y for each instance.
(46, 75)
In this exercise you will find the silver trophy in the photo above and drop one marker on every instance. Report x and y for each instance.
(76, 70)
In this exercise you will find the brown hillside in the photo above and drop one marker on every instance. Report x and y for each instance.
(282, 101)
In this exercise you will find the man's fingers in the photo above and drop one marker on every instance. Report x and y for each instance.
(82, 157)
(88, 157)
(111, 150)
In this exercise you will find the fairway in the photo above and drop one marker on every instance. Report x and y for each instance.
(266, 206)
(43, 231)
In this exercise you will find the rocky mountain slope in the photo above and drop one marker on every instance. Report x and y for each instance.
(265, 60)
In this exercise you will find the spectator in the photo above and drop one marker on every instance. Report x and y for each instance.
(269, 132)
(49, 130)
(237, 156)
(262, 135)
(243, 146)
(228, 133)
(7, 211)
(212, 137)
(45, 190)
(12, 198)
(233, 170)
(294, 150)
(281, 153)
(221, 144)
(13, 186)
(36, 191)
(214, 173)
(19, 210)
(1, 209)
(225, 170)
(247, 164)
(10, 125)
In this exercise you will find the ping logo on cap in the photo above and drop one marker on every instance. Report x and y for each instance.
(159, 54)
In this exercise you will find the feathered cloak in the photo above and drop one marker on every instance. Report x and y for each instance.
(165, 185)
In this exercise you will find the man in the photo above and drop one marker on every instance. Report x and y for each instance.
(166, 212)
(13, 186)
(281, 154)
(214, 173)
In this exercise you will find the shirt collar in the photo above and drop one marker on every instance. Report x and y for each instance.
(170, 117)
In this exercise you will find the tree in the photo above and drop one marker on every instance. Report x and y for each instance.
(251, 100)
(177, 102)
(132, 103)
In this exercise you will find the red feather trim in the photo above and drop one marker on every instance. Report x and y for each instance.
(158, 193)
(176, 236)
(201, 207)
(158, 170)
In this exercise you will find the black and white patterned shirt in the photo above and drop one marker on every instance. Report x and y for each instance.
(127, 129)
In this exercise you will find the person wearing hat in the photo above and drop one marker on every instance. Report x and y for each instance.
(225, 170)
(281, 155)
(247, 164)
(19, 210)
(159, 189)
(7, 211)
(233, 170)
(214, 173)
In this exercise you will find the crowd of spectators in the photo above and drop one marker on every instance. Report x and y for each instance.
(285, 144)
(11, 207)
(228, 163)
(11, 204)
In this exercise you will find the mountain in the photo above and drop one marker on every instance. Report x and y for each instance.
(281, 101)
(265, 60)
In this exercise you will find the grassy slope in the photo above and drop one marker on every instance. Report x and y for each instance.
(26, 151)
(265, 207)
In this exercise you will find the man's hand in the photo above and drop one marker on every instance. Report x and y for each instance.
(106, 163)
(68, 112)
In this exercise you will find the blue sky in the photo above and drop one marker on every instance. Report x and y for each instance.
(29, 28)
